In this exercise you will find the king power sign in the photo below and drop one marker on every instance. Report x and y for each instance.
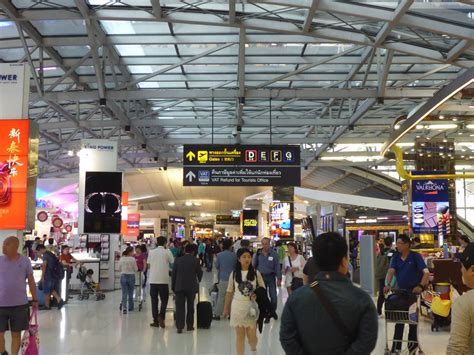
(14, 91)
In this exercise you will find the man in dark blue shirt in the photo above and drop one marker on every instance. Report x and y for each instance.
(412, 275)
(266, 261)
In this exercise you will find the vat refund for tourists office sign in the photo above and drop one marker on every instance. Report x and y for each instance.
(241, 165)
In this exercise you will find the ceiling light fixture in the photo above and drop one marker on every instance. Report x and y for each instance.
(438, 99)
(188, 203)
(171, 204)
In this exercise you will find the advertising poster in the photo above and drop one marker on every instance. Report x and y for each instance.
(227, 219)
(249, 226)
(282, 224)
(133, 225)
(430, 206)
(14, 91)
(102, 202)
(14, 138)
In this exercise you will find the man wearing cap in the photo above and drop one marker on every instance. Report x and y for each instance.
(15, 269)
(461, 341)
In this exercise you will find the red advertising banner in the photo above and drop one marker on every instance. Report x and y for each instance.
(133, 225)
(14, 138)
(123, 225)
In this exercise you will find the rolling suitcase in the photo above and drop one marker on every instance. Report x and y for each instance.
(204, 314)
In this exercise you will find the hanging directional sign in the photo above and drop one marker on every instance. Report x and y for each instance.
(241, 165)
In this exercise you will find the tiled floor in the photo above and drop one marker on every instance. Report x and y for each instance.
(98, 328)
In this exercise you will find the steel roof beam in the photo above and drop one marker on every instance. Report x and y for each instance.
(273, 26)
(223, 94)
(458, 49)
(171, 67)
(308, 22)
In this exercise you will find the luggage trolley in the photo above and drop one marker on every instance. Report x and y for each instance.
(139, 291)
(408, 317)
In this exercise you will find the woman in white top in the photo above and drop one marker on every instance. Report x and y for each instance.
(243, 282)
(128, 268)
(293, 266)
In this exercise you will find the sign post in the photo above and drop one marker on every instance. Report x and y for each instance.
(241, 165)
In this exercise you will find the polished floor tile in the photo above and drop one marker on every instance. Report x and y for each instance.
(97, 328)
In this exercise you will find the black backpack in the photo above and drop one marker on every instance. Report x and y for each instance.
(56, 268)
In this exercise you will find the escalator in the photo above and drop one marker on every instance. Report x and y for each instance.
(465, 227)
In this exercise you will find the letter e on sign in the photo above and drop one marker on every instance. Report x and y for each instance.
(250, 156)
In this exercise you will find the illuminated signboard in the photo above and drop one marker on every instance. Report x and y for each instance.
(14, 139)
(282, 224)
(241, 165)
(102, 202)
(249, 223)
(430, 206)
(133, 225)
(227, 219)
(177, 219)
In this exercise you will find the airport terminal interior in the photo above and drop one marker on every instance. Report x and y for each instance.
(125, 124)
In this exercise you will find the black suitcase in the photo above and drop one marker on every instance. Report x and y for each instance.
(204, 314)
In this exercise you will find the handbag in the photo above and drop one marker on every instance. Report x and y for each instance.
(30, 340)
(254, 311)
(296, 282)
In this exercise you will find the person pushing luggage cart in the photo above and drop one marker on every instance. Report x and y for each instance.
(412, 277)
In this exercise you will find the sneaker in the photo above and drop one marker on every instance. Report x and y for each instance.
(155, 325)
(61, 304)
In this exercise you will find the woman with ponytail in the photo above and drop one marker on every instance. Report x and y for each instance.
(240, 301)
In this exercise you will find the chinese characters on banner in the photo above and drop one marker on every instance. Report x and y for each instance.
(13, 173)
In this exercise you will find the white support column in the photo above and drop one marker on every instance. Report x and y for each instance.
(93, 157)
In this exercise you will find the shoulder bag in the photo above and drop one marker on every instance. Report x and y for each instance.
(328, 306)
(296, 282)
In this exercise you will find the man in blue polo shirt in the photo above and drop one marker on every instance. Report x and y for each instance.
(266, 261)
(412, 275)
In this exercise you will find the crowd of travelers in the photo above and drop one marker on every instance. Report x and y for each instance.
(325, 313)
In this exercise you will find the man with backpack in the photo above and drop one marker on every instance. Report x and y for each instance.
(52, 274)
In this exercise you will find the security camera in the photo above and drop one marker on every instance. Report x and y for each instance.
(235, 132)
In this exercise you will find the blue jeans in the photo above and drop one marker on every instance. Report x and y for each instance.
(127, 281)
(270, 285)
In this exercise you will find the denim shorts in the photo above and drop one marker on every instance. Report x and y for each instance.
(50, 285)
(15, 318)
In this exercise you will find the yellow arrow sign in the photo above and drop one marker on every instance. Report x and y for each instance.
(190, 156)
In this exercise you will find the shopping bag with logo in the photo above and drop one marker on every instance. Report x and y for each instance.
(30, 341)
